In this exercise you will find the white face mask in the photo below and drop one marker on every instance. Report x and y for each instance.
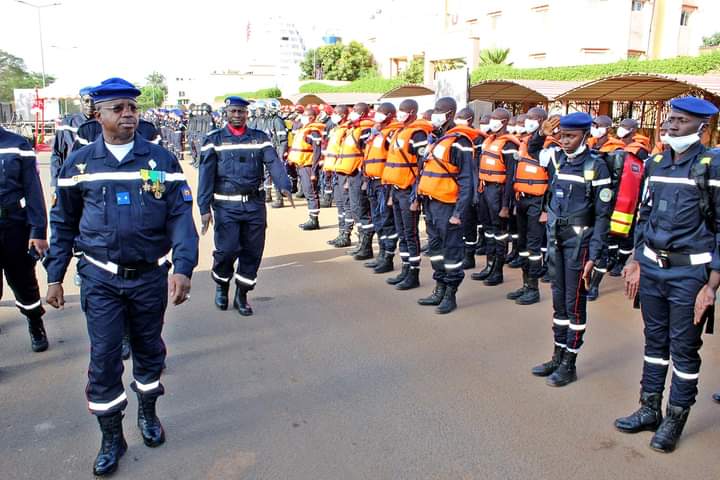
(664, 139)
(354, 116)
(531, 125)
(322, 117)
(461, 121)
(402, 116)
(511, 129)
(304, 120)
(579, 150)
(485, 127)
(336, 119)
(598, 132)
(495, 125)
(438, 119)
(519, 129)
(380, 117)
(622, 132)
(681, 144)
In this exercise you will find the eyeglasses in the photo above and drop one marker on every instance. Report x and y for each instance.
(120, 108)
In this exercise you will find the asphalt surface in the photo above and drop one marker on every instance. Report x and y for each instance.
(339, 377)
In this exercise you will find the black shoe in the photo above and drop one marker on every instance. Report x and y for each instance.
(149, 424)
(548, 368)
(716, 397)
(312, 224)
(399, 277)
(358, 245)
(594, 290)
(448, 303)
(366, 250)
(221, 296)
(334, 241)
(343, 241)
(278, 203)
(38, 337)
(565, 373)
(113, 445)
(517, 262)
(300, 195)
(411, 280)
(469, 260)
(436, 297)
(386, 264)
(485, 272)
(531, 294)
(326, 201)
(268, 196)
(668, 433)
(617, 269)
(374, 262)
(125, 347)
(496, 274)
(515, 294)
(647, 417)
(241, 302)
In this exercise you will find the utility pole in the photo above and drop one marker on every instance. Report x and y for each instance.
(42, 50)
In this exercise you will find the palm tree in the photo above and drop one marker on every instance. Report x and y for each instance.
(494, 56)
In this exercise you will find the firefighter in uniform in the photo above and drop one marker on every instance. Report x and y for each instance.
(304, 155)
(230, 182)
(446, 188)
(23, 230)
(400, 174)
(496, 192)
(530, 184)
(335, 138)
(125, 204)
(676, 270)
(65, 134)
(578, 221)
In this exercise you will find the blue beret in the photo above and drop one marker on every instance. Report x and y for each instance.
(85, 91)
(236, 101)
(114, 88)
(694, 106)
(576, 121)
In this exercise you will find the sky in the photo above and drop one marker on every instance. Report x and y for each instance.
(87, 41)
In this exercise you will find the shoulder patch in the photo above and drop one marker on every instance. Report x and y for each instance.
(657, 158)
(186, 193)
(606, 195)
(706, 160)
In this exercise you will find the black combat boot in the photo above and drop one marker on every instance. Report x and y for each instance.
(278, 202)
(149, 424)
(448, 303)
(343, 241)
(469, 260)
(353, 251)
(485, 272)
(38, 337)
(517, 262)
(481, 248)
(113, 445)
(313, 223)
(436, 297)
(565, 373)
(268, 195)
(125, 349)
(496, 274)
(326, 201)
(513, 254)
(221, 295)
(515, 294)
(411, 280)
(386, 264)
(374, 262)
(647, 417)
(366, 249)
(335, 240)
(594, 290)
(532, 293)
(668, 433)
(548, 368)
(241, 302)
(400, 276)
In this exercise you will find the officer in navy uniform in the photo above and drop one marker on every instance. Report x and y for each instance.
(676, 269)
(65, 134)
(578, 224)
(231, 181)
(23, 230)
(124, 203)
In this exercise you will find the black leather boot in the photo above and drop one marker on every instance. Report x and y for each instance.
(386, 264)
(221, 295)
(548, 368)
(481, 248)
(343, 241)
(448, 303)
(496, 274)
(326, 201)
(113, 445)
(241, 302)
(647, 417)
(38, 337)
(515, 294)
(532, 293)
(485, 272)
(149, 424)
(436, 297)
(469, 260)
(278, 202)
(411, 280)
(358, 245)
(268, 195)
(374, 262)
(594, 290)
(125, 347)
(366, 250)
(513, 253)
(565, 373)
(313, 223)
(335, 240)
(400, 276)
(668, 433)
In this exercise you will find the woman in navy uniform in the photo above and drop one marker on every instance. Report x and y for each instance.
(676, 269)
(123, 204)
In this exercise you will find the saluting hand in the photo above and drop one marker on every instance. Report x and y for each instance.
(206, 219)
(631, 274)
(178, 288)
(55, 296)
(549, 125)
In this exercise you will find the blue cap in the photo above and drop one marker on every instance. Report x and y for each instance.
(694, 106)
(114, 88)
(85, 91)
(236, 101)
(576, 121)
(178, 112)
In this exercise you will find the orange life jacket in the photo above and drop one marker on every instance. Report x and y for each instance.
(658, 149)
(471, 133)
(301, 151)
(610, 145)
(351, 155)
(376, 152)
(492, 164)
(401, 168)
(530, 177)
(334, 144)
(628, 192)
(438, 178)
(639, 142)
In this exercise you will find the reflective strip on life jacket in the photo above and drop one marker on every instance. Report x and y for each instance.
(401, 168)
(492, 164)
(530, 177)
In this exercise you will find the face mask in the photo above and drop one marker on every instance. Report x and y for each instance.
(681, 144)
(519, 129)
(511, 129)
(622, 132)
(380, 117)
(598, 132)
(402, 116)
(579, 150)
(664, 139)
(461, 121)
(485, 127)
(304, 120)
(336, 118)
(354, 116)
(322, 117)
(495, 125)
(438, 119)
(531, 125)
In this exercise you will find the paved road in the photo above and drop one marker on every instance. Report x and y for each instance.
(340, 377)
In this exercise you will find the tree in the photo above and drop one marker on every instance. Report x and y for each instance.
(712, 41)
(157, 79)
(151, 96)
(14, 74)
(449, 64)
(415, 72)
(338, 62)
(494, 56)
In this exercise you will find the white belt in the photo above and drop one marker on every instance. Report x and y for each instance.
(695, 258)
(114, 267)
(232, 198)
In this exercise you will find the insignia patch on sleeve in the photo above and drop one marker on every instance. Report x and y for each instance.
(606, 195)
(186, 193)
(123, 198)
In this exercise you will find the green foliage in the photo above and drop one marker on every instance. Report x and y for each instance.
(151, 96)
(494, 56)
(363, 85)
(678, 66)
(415, 72)
(712, 41)
(272, 92)
(450, 64)
(157, 79)
(338, 62)
(14, 74)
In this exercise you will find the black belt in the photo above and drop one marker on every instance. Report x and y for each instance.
(249, 193)
(132, 273)
(574, 221)
(6, 210)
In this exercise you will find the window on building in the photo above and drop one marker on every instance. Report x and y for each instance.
(637, 5)
(685, 16)
(635, 54)
(181, 94)
(183, 101)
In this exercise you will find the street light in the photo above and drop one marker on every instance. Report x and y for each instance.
(42, 51)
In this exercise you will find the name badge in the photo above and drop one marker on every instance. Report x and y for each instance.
(490, 161)
(559, 193)
(123, 198)
(531, 169)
